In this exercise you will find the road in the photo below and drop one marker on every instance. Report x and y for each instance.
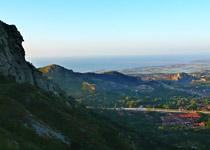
(159, 110)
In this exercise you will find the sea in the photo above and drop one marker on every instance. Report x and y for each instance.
(108, 63)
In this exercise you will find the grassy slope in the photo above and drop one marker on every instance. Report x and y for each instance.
(86, 130)
(71, 82)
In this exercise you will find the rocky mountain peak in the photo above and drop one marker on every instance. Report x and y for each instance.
(12, 60)
(183, 77)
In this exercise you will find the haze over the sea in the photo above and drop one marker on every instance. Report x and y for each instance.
(87, 64)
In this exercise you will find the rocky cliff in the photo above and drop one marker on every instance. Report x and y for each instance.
(183, 77)
(12, 60)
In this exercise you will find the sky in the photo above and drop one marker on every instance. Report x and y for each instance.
(89, 28)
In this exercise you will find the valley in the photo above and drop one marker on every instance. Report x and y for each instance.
(114, 89)
(56, 108)
(105, 75)
(173, 95)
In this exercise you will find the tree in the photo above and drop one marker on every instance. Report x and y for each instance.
(89, 88)
(127, 98)
(165, 106)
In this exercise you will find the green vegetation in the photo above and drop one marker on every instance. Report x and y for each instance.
(174, 102)
(22, 104)
(84, 128)
(144, 130)
(88, 88)
(111, 89)
(149, 125)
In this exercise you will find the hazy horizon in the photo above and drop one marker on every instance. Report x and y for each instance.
(88, 64)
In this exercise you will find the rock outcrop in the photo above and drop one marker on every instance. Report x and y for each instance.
(183, 78)
(13, 64)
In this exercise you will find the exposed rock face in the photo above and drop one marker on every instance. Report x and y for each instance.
(183, 77)
(13, 63)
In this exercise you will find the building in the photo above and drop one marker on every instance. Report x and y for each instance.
(182, 108)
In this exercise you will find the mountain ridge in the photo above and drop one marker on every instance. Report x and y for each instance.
(112, 76)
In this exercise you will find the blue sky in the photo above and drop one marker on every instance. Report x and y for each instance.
(69, 28)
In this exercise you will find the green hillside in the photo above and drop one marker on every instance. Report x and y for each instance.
(33, 119)
(71, 82)
(108, 89)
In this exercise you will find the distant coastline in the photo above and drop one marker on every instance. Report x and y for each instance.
(94, 64)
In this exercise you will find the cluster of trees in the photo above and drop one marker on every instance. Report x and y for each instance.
(126, 98)
(191, 103)
(88, 88)
(128, 102)
(174, 102)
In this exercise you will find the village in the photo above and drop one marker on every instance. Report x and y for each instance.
(169, 118)
(182, 119)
